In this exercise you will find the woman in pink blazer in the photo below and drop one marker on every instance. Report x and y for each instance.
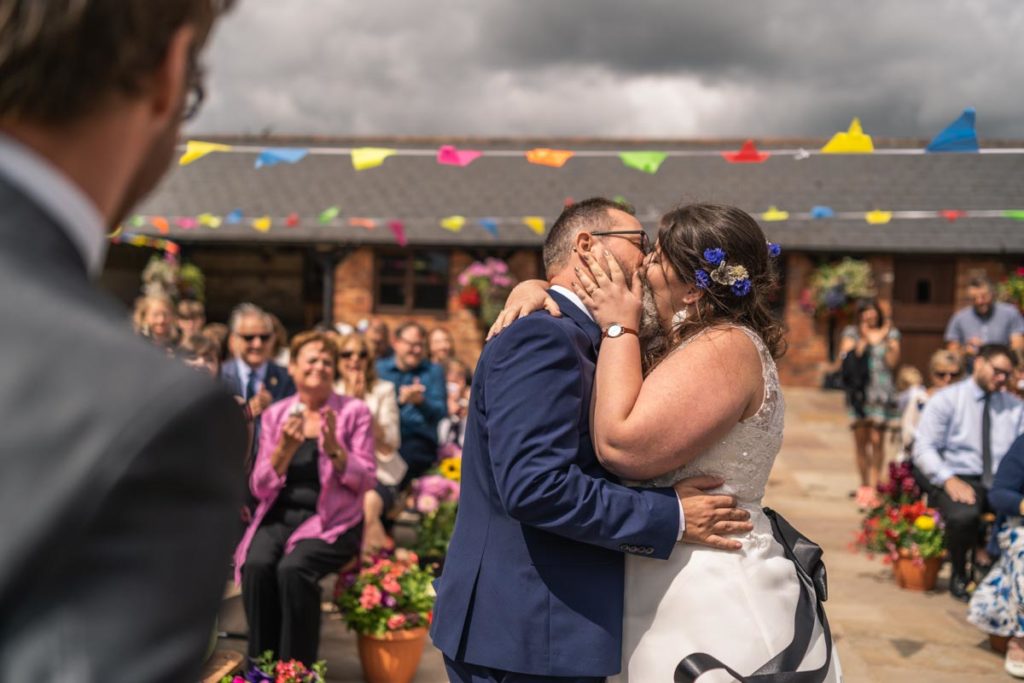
(315, 462)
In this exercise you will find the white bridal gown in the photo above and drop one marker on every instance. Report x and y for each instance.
(738, 606)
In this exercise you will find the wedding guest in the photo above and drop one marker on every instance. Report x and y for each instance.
(944, 368)
(457, 378)
(909, 381)
(218, 334)
(441, 346)
(379, 336)
(279, 354)
(314, 465)
(154, 319)
(964, 432)
(985, 321)
(191, 318)
(420, 388)
(119, 487)
(357, 377)
(997, 605)
(201, 353)
(873, 346)
(250, 373)
(452, 430)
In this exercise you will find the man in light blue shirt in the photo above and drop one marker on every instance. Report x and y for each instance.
(985, 321)
(965, 431)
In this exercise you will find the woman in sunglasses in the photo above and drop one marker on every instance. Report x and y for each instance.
(944, 368)
(357, 377)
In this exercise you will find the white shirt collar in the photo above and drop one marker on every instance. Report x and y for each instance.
(58, 196)
(571, 296)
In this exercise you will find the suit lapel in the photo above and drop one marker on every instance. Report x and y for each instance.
(572, 311)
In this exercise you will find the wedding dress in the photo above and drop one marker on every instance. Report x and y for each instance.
(738, 606)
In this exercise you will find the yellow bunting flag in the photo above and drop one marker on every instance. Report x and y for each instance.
(209, 220)
(453, 223)
(554, 158)
(853, 141)
(161, 224)
(878, 217)
(196, 149)
(369, 157)
(535, 223)
(262, 224)
(774, 214)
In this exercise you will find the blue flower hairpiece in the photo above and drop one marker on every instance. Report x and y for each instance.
(774, 250)
(703, 279)
(741, 287)
(735, 277)
(714, 256)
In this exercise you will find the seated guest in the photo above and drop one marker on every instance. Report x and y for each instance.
(457, 377)
(191, 318)
(201, 353)
(251, 373)
(154, 320)
(452, 430)
(944, 368)
(358, 379)
(421, 398)
(379, 336)
(997, 606)
(314, 465)
(440, 346)
(964, 432)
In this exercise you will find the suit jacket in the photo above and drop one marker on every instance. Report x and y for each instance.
(1007, 492)
(533, 580)
(120, 478)
(278, 382)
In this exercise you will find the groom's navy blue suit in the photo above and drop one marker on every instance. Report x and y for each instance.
(533, 581)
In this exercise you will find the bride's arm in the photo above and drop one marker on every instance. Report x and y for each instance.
(525, 298)
(646, 428)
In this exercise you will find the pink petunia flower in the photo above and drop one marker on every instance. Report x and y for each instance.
(370, 598)
(396, 622)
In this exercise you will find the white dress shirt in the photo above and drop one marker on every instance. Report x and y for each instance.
(58, 196)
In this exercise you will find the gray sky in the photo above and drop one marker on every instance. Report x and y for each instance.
(629, 68)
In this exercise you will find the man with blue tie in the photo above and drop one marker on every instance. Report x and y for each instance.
(964, 432)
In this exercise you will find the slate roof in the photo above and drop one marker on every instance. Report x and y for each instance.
(418, 191)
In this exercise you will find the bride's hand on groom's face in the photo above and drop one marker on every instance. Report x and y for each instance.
(605, 291)
(711, 518)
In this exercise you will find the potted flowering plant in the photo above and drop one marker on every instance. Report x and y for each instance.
(436, 498)
(835, 286)
(909, 534)
(1011, 289)
(484, 287)
(389, 604)
(266, 669)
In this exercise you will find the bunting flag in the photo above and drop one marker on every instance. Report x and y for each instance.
(555, 158)
(398, 230)
(329, 214)
(453, 223)
(853, 141)
(1014, 214)
(280, 155)
(171, 249)
(360, 222)
(186, 223)
(952, 215)
(161, 224)
(197, 149)
(292, 221)
(448, 155)
(262, 224)
(648, 162)
(490, 225)
(773, 215)
(958, 136)
(747, 154)
(369, 157)
(877, 217)
(209, 220)
(802, 154)
(818, 212)
(137, 221)
(535, 223)
(234, 218)
(116, 233)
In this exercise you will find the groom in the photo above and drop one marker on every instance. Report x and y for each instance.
(532, 588)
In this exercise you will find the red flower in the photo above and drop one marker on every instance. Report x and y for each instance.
(1020, 271)
(469, 297)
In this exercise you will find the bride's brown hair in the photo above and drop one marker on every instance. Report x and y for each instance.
(685, 234)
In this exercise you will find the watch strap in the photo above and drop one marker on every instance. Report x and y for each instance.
(625, 330)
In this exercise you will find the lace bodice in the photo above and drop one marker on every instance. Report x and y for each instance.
(744, 457)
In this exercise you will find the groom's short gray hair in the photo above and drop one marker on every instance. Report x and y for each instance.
(589, 214)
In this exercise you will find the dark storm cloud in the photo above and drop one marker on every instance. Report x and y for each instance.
(636, 68)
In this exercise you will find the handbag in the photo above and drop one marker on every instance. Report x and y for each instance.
(806, 555)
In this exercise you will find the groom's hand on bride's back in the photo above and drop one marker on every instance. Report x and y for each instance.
(711, 518)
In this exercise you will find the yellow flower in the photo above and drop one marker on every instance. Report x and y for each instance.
(925, 523)
(451, 468)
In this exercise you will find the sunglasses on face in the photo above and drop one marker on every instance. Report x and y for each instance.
(250, 338)
(363, 355)
(945, 375)
(645, 241)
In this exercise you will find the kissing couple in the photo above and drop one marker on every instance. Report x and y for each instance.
(621, 431)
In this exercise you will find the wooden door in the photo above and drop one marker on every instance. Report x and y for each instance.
(923, 300)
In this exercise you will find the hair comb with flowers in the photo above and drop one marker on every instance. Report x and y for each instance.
(735, 277)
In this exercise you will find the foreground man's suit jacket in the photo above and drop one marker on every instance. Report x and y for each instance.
(120, 474)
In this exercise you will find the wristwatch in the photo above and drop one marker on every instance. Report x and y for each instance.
(616, 330)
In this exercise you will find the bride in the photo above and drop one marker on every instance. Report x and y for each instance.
(709, 403)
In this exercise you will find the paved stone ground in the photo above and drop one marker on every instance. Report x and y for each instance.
(883, 634)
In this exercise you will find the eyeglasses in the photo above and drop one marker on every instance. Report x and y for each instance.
(250, 338)
(196, 93)
(645, 241)
(1001, 373)
(413, 344)
(945, 375)
(362, 355)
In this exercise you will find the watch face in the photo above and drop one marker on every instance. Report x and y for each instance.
(615, 330)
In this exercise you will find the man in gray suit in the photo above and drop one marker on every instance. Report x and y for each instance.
(120, 469)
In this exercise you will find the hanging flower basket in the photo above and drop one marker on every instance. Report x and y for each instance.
(835, 287)
(484, 286)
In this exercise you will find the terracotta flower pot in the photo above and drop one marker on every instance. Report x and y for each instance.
(916, 576)
(392, 658)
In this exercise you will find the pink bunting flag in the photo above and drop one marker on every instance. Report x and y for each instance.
(398, 229)
(448, 155)
(747, 154)
(186, 223)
